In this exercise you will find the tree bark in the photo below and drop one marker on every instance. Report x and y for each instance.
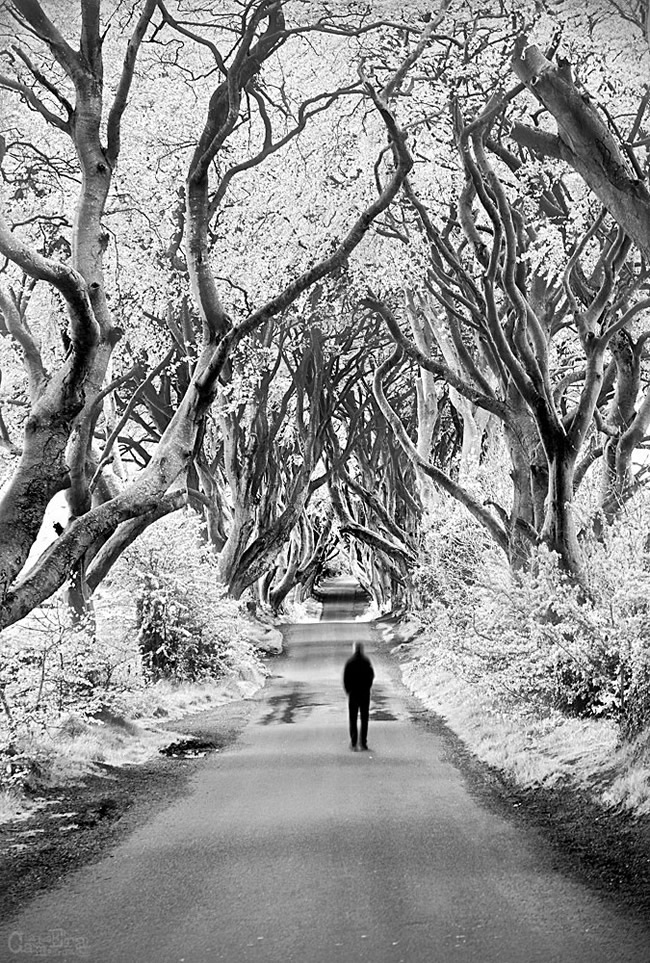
(281, 589)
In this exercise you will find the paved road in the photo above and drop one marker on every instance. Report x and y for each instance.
(290, 847)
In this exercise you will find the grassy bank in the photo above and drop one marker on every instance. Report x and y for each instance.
(534, 749)
(77, 746)
(163, 640)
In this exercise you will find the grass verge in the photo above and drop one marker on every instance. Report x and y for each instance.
(546, 751)
(127, 733)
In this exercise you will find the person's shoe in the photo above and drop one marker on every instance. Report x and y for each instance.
(365, 748)
(353, 746)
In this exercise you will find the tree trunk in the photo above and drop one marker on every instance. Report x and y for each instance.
(427, 409)
(241, 529)
(529, 474)
(279, 592)
(475, 422)
(559, 532)
(585, 141)
(141, 497)
(214, 512)
(40, 474)
(264, 550)
(617, 455)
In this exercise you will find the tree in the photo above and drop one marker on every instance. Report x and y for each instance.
(269, 463)
(493, 331)
(68, 93)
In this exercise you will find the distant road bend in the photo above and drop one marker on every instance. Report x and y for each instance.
(290, 847)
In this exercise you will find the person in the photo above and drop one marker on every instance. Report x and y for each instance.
(358, 676)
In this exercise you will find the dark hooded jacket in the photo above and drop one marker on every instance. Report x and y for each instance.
(358, 674)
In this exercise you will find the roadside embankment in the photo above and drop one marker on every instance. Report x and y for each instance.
(574, 779)
(94, 779)
(130, 728)
(532, 749)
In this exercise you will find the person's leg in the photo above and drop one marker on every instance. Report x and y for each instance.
(364, 706)
(353, 709)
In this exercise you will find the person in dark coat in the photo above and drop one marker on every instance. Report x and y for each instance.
(358, 676)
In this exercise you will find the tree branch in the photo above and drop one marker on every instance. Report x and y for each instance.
(35, 102)
(32, 15)
(539, 141)
(114, 435)
(120, 100)
(589, 145)
(17, 329)
(487, 402)
(475, 508)
(127, 532)
(84, 327)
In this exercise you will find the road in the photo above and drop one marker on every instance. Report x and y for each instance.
(291, 847)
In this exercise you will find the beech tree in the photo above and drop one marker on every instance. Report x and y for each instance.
(270, 461)
(589, 141)
(372, 484)
(489, 324)
(512, 319)
(122, 422)
(67, 88)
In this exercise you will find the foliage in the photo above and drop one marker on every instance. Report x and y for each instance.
(267, 215)
(161, 614)
(451, 553)
(54, 671)
(619, 573)
(187, 627)
(51, 664)
(532, 636)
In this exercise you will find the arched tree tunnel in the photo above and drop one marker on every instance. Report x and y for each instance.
(338, 308)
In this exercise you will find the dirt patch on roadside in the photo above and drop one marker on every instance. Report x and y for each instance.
(75, 825)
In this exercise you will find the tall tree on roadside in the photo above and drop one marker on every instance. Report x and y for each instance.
(503, 320)
(57, 432)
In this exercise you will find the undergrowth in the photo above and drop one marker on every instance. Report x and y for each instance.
(162, 639)
(538, 680)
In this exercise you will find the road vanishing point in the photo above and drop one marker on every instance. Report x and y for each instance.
(290, 847)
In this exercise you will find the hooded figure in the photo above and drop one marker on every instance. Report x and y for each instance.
(358, 676)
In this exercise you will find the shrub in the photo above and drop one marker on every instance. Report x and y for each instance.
(636, 708)
(50, 663)
(161, 613)
(452, 552)
(531, 637)
(187, 627)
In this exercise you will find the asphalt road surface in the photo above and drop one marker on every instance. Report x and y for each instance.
(291, 847)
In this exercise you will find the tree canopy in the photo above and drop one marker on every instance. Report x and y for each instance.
(313, 270)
